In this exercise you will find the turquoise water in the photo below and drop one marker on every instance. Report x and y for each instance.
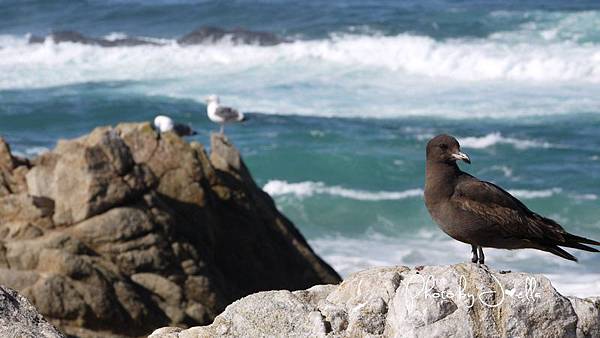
(339, 117)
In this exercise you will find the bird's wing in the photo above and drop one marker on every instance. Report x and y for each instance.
(227, 113)
(504, 212)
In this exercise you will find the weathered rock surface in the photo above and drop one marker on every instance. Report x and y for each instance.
(122, 231)
(432, 301)
(19, 319)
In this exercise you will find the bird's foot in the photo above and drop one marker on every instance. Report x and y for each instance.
(474, 258)
(482, 266)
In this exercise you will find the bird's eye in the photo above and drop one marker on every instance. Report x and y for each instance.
(444, 146)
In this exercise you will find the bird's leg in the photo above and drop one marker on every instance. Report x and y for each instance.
(222, 129)
(481, 256)
(474, 259)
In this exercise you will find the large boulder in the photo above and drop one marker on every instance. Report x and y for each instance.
(19, 319)
(122, 231)
(432, 301)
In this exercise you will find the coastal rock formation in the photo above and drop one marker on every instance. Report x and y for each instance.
(202, 35)
(19, 319)
(432, 301)
(123, 230)
(76, 37)
(236, 36)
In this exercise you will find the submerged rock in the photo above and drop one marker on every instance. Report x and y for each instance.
(236, 36)
(433, 301)
(76, 37)
(202, 35)
(122, 231)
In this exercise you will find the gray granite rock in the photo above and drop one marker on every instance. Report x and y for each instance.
(20, 319)
(432, 301)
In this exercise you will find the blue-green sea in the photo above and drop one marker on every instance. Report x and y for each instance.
(341, 113)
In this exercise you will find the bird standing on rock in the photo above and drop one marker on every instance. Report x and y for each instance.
(483, 214)
(220, 114)
(165, 124)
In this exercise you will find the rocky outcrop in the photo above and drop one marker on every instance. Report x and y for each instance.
(19, 319)
(122, 231)
(76, 37)
(202, 35)
(236, 36)
(433, 301)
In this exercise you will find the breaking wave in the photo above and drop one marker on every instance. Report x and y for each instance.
(493, 139)
(309, 188)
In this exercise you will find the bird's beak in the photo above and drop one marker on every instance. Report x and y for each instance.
(462, 156)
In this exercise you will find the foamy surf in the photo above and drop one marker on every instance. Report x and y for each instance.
(349, 255)
(309, 188)
(496, 138)
(349, 75)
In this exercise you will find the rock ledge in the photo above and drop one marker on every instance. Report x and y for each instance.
(432, 301)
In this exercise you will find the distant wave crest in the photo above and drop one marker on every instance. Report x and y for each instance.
(310, 188)
(495, 138)
(457, 59)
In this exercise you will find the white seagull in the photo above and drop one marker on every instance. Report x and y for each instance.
(220, 114)
(165, 124)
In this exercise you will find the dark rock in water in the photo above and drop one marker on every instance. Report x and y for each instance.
(76, 37)
(237, 36)
(19, 319)
(121, 231)
(201, 35)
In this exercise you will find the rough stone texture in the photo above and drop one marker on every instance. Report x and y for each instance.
(122, 231)
(433, 301)
(19, 319)
(588, 312)
(12, 171)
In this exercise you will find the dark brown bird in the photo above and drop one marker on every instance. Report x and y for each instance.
(483, 214)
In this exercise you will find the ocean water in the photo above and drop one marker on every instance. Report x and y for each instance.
(340, 115)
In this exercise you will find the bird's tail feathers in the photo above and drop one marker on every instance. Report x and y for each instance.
(579, 246)
(560, 252)
(579, 239)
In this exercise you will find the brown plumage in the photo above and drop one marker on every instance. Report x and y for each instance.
(483, 214)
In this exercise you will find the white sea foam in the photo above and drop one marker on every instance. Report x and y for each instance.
(345, 75)
(585, 197)
(31, 152)
(458, 59)
(495, 138)
(351, 254)
(115, 36)
(531, 194)
(309, 188)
